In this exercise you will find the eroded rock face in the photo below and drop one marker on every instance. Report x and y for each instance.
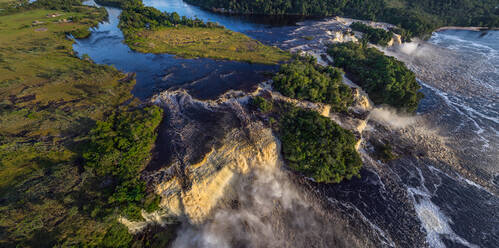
(202, 148)
(225, 182)
(212, 178)
(207, 149)
(238, 192)
(396, 40)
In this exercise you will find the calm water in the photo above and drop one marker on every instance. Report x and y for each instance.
(203, 78)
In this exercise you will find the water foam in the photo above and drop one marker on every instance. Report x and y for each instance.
(434, 220)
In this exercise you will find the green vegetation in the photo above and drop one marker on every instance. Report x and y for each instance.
(137, 16)
(118, 150)
(312, 144)
(4, 4)
(417, 18)
(81, 33)
(385, 79)
(148, 30)
(55, 110)
(383, 151)
(304, 79)
(374, 35)
(216, 43)
(23, 5)
(261, 104)
(317, 147)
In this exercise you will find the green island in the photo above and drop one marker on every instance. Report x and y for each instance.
(377, 36)
(312, 145)
(304, 79)
(148, 30)
(318, 147)
(415, 18)
(60, 116)
(384, 78)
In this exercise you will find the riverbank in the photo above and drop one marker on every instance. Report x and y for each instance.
(215, 43)
(149, 30)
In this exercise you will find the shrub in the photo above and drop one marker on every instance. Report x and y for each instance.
(261, 104)
(81, 33)
(116, 236)
(383, 151)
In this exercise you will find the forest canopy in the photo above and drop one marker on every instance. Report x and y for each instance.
(377, 36)
(137, 16)
(304, 79)
(384, 78)
(317, 147)
(418, 18)
(118, 150)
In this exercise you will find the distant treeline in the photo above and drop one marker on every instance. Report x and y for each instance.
(21, 5)
(417, 18)
(137, 16)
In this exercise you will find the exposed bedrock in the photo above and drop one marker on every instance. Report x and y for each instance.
(226, 182)
(218, 171)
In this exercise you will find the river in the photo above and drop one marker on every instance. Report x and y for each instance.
(441, 193)
(202, 78)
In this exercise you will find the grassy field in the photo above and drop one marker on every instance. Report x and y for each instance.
(49, 100)
(216, 43)
(3, 4)
(45, 89)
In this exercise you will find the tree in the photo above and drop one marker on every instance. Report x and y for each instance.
(317, 147)
(304, 79)
(385, 79)
(175, 18)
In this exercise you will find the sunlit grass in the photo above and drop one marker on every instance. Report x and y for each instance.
(214, 43)
(49, 99)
